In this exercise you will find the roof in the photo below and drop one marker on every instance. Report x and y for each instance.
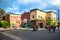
(14, 14)
(36, 9)
(51, 11)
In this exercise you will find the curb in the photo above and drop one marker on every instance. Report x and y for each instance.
(1, 29)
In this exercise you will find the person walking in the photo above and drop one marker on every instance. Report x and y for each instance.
(49, 28)
(54, 27)
(34, 29)
(58, 27)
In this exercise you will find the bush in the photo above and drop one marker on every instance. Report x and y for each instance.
(24, 25)
(4, 24)
(51, 22)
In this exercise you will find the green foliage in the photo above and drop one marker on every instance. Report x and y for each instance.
(51, 22)
(2, 12)
(24, 25)
(4, 24)
(30, 25)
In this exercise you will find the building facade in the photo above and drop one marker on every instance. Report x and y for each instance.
(25, 16)
(38, 16)
(50, 15)
(14, 20)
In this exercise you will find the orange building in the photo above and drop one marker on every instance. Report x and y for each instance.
(14, 20)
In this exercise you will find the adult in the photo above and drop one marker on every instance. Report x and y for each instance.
(49, 28)
(54, 27)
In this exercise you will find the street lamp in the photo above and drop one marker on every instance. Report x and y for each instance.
(58, 17)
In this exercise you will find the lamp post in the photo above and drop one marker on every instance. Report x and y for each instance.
(58, 17)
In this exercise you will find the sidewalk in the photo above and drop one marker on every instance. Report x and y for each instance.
(32, 29)
(2, 29)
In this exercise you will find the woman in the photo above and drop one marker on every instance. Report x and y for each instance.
(49, 28)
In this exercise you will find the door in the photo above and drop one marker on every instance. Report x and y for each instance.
(41, 25)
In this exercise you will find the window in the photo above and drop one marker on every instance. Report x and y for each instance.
(38, 16)
(48, 17)
(41, 17)
(33, 16)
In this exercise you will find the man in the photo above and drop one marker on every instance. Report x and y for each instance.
(34, 28)
(54, 27)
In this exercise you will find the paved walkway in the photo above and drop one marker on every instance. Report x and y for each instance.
(1, 29)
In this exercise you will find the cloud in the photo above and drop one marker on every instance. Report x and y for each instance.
(37, 3)
(55, 2)
(28, 1)
(18, 13)
(16, 5)
(12, 9)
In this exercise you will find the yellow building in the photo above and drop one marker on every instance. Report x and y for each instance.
(38, 16)
(50, 15)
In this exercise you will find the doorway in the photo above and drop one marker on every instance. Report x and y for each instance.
(41, 25)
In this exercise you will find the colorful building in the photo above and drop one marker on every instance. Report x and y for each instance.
(14, 20)
(51, 16)
(25, 17)
(38, 16)
(35, 17)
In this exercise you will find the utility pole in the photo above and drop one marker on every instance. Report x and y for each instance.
(58, 18)
(58, 15)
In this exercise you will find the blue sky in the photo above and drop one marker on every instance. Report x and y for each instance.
(19, 6)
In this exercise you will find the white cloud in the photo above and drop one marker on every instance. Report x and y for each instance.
(28, 1)
(38, 3)
(13, 9)
(18, 13)
(55, 2)
(41, 4)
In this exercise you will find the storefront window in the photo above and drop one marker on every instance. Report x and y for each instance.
(33, 16)
(38, 16)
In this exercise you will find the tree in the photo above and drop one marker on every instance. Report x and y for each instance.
(1, 13)
(8, 13)
(51, 22)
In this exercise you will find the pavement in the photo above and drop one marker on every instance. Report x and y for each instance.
(29, 35)
(2, 29)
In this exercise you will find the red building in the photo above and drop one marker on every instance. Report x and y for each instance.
(25, 16)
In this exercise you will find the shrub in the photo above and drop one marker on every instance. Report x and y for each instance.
(4, 24)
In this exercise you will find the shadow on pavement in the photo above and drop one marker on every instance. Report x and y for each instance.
(4, 37)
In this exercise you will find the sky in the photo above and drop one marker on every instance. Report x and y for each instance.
(20, 6)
